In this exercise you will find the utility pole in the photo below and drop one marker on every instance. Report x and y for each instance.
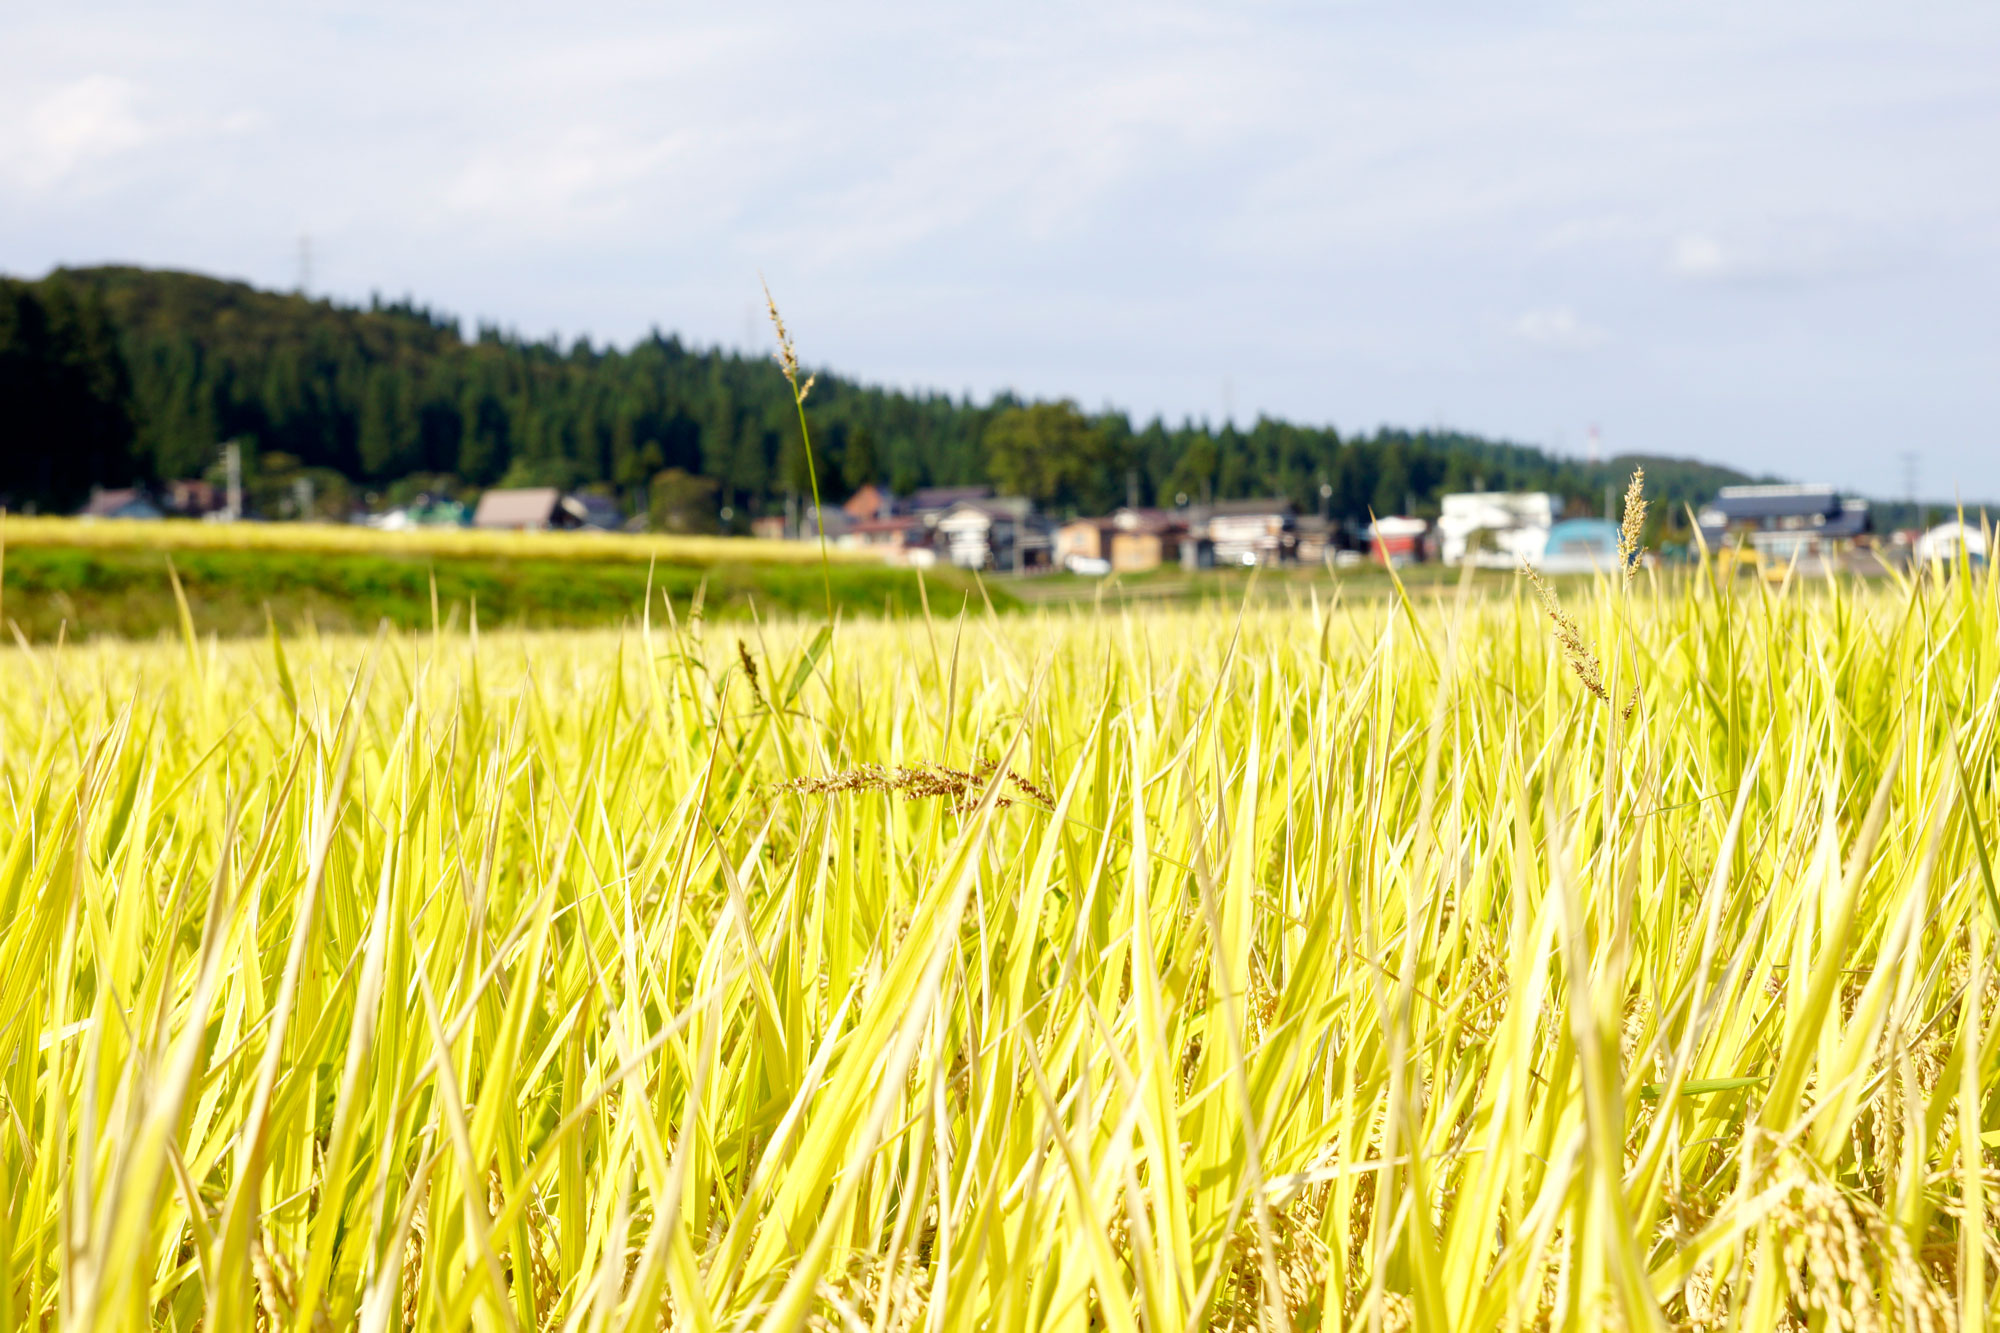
(1910, 460)
(232, 467)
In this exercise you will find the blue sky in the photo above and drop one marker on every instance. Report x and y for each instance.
(1766, 234)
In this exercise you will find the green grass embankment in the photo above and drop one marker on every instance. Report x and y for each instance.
(127, 592)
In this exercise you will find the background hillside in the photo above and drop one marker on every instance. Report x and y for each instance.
(113, 374)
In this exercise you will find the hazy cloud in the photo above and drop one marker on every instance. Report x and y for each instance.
(1558, 326)
(1696, 255)
(1701, 257)
(80, 123)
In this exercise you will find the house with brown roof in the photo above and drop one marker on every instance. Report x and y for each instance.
(1086, 539)
(123, 502)
(1129, 541)
(931, 502)
(892, 536)
(1143, 539)
(872, 502)
(192, 497)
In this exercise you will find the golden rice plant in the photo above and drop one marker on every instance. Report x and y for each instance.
(172, 535)
(1359, 970)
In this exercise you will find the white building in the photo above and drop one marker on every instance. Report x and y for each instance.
(1511, 526)
(1003, 534)
(1248, 532)
(541, 508)
(1946, 540)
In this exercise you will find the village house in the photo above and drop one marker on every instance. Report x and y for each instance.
(1085, 540)
(1578, 546)
(999, 534)
(1396, 539)
(123, 502)
(836, 522)
(425, 511)
(543, 509)
(931, 502)
(874, 502)
(1248, 532)
(1497, 529)
(1783, 521)
(898, 538)
(1143, 539)
(1315, 539)
(1951, 541)
(194, 498)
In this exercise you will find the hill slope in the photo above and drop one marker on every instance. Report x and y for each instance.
(392, 398)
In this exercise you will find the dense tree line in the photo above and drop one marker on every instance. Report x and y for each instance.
(67, 419)
(392, 399)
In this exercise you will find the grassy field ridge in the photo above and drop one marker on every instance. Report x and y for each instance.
(64, 576)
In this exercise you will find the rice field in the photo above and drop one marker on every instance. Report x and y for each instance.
(79, 579)
(1334, 966)
(177, 535)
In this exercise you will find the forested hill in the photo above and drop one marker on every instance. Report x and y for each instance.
(161, 366)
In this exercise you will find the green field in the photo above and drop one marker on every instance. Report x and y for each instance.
(64, 577)
(128, 591)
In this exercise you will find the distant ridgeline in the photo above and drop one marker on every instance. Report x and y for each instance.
(111, 375)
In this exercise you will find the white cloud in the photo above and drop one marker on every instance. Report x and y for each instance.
(1697, 255)
(554, 187)
(74, 126)
(1558, 327)
(1784, 256)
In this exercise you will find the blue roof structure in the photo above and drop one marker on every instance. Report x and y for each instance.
(1754, 504)
(1580, 546)
(1583, 536)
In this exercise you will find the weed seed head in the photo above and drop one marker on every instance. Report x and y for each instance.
(787, 355)
(1576, 649)
(1634, 524)
(750, 672)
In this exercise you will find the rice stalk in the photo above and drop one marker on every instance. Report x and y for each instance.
(1292, 967)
